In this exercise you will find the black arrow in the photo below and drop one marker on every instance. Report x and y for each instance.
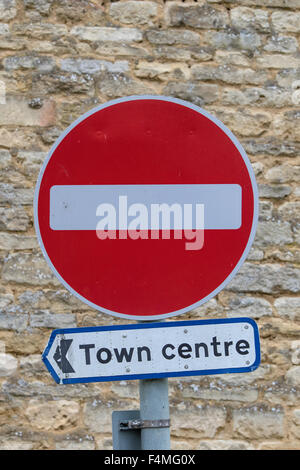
(60, 356)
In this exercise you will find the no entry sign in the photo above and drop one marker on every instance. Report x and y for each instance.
(146, 207)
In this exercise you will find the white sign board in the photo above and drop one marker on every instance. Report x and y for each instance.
(153, 350)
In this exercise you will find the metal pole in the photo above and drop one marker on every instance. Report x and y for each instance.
(154, 406)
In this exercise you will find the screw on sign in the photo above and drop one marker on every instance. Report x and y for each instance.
(146, 207)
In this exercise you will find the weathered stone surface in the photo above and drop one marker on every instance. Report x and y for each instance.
(31, 161)
(220, 393)
(95, 33)
(173, 52)
(279, 43)
(4, 29)
(283, 173)
(273, 233)
(118, 85)
(5, 300)
(287, 125)
(121, 50)
(31, 365)
(9, 194)
(286, 21)
(250, 18)
(15, 111)
(8, 364)
(198, 421)
(289, 253)
(288, 307)
(277, 326)
(288, 77)
(97, 416)
(273, 191)
(56, 300)
(5, 159)
(8, 9)
(255, 254)
(10, 241)
(290, 211)
(92, 66)
(62, 83)
(271, 3)
(201, 16)
(43, 64)
(40, 30)
(248, 306)
(82, 11)
(134, 12)
(42, 390)
(46, 319)
(256, 423)
(271, 146)
(266, 278)
(171, 37)
(15, 443)
(58, 415)
(228, 74)
(41, 6)
(27, 268)
(256, 96)
(238, 58)
(277, 61)
(163, 72)
(293, 376)
(265, 210)
(222, 444)
(20, 137)
(81, 443)
(264, 372)
(245, 123)
(230, 39)
(198, 93)
(295, 352)
(296, 423)
(14, 321)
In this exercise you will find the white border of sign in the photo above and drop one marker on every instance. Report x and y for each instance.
(255, 214)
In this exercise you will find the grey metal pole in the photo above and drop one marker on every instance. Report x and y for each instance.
(154, 406)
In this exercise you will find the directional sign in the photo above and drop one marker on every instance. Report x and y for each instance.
(146, 207)
(152, 350)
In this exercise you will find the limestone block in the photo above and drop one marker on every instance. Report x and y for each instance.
(95, 33)
(256, 423)
(57, 415)
(8, 9)
(28, 268)
(134, 12)
(15, 111)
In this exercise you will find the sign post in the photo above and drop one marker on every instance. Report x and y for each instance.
(145, 208)
(154, 407)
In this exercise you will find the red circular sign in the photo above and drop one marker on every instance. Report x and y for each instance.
(146, 164)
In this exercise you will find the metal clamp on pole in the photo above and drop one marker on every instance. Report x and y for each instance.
(144, 424)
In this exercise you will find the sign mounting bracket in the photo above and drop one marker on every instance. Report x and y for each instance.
(144, 424)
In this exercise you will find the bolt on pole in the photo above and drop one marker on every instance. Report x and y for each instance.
(154, 407)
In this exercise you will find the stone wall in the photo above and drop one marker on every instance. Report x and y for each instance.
(240, 61)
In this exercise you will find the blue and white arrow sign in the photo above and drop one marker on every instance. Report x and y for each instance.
(153, 350)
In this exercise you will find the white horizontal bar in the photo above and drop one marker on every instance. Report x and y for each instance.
(75, 207)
